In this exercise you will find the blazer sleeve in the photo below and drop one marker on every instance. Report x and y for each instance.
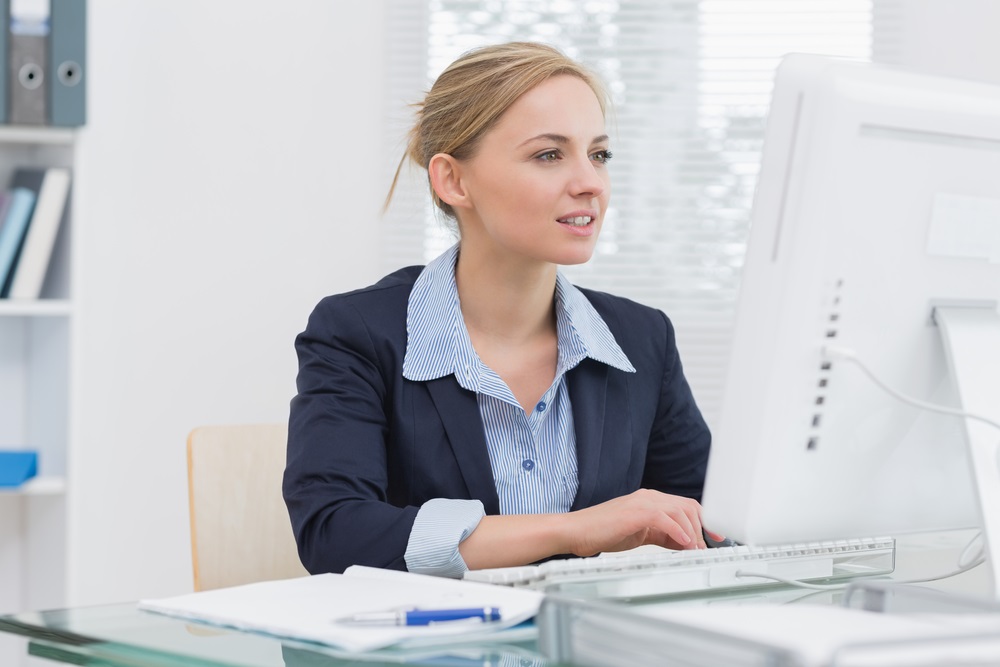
(677, 455)
(335, 480)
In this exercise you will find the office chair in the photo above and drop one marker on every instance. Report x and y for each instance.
(240, 530)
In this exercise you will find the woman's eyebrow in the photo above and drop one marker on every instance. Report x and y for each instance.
(561, 139)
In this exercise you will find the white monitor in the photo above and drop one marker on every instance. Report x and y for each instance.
(876, 218)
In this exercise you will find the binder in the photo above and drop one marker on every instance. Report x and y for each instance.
(20, 205)
(52, 186)
(67, 63)
(28, 54)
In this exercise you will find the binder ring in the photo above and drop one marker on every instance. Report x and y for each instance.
(69, 73)
(31, 76)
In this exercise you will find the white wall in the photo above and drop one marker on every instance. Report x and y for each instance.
(227, 179)
(952, 37)
(229, 176)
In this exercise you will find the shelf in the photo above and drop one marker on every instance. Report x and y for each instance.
(39, 308)
(14, 134)
(37, 486)
(36, 392)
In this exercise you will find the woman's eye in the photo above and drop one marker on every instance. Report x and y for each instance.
(549, 156)
(602, 156)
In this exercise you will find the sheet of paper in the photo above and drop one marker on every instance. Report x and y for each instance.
(308, 608)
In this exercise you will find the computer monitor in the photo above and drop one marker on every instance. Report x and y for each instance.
(876, 219)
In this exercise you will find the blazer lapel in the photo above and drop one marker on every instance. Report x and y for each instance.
(459, 413)
(588, 385)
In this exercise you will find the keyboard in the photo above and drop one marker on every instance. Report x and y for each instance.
(654, 572)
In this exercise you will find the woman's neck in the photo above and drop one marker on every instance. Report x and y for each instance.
(506, 300)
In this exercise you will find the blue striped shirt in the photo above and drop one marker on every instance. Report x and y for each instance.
(533, 456)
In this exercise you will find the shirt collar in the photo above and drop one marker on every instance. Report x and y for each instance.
(438, 344)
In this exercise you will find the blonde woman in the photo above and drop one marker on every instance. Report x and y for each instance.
(481, 411)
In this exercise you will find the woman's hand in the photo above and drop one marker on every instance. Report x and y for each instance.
(642, 517)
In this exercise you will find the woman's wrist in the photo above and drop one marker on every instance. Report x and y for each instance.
(559, 533)
(510, 540)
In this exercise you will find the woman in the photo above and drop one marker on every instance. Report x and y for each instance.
(482, 411)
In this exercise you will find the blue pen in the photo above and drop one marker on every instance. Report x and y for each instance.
(423, 616)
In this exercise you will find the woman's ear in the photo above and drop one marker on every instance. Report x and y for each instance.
(446, 179)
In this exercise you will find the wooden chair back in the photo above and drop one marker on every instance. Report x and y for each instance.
(240, 530)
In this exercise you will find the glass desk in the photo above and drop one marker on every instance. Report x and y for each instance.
(122, 636)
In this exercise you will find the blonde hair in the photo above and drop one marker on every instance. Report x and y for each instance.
(471, 95)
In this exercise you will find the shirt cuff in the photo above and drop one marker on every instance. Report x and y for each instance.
(440, 526)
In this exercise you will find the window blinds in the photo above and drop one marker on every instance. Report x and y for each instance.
(691, 84)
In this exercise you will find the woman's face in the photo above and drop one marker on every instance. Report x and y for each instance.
(538, 186)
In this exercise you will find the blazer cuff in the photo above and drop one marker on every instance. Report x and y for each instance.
(439, 527)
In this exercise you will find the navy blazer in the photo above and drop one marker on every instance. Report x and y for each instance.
(366, 447)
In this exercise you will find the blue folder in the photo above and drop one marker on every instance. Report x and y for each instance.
(13, 229)
(17, 467)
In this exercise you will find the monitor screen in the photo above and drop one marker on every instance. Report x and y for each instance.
(878, 201)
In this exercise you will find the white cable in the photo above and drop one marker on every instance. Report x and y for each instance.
(965, 568)
(830, 587)
(835, 352)
(975, 549)
(792, 582)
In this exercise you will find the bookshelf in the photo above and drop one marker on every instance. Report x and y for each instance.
(35, 379)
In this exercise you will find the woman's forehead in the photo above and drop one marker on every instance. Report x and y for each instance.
(564, 106)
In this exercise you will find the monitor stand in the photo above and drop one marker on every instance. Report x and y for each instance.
(971, 337)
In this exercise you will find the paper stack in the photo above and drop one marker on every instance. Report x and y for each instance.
(308, 608)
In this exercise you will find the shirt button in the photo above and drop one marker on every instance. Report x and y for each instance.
(527, 464)
(541, 406)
